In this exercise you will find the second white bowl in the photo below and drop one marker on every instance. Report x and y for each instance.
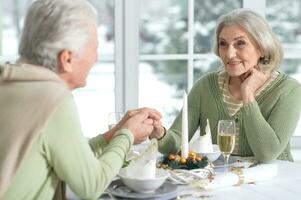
(144, 185)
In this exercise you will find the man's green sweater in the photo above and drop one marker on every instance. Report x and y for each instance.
(59, 151)
(266, 125)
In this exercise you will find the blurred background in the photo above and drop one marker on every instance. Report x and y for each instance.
(151, 51)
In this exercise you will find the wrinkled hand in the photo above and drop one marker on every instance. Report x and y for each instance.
(252, 81)
(139, 122)
(153, 114)
(158, 130)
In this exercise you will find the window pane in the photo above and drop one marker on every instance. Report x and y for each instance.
(12, 19)
(105, 11)
(14, 13)
(163, 27)
(284, 18)
(205, 65)
(206, 14)
(96, 100)
(161, 86)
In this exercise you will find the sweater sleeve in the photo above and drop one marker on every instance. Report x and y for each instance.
(97, 145)
(70, 156)
(269, 137)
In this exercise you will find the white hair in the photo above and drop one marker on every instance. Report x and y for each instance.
(53, 25)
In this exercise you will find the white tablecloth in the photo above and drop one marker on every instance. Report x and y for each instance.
(286, 185)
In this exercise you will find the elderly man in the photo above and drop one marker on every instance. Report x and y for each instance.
(41, 143)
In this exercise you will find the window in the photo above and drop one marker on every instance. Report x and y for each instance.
(284, 17)
(174, 39)
(97, 99)
(175, 49)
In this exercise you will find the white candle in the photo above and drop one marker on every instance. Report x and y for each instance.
(184, 147)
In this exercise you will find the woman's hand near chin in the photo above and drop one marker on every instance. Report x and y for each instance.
(252, 81)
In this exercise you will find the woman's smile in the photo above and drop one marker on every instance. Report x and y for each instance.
(233, 64)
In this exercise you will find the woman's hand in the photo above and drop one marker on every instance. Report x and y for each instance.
(139, 121)
(251, 82)
(158, 131)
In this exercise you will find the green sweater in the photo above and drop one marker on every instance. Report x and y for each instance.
(59, 151)
(62, 153)
(266, 125)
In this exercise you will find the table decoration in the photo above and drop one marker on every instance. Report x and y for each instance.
(184, 177)
(203, 143)
(144, 164)
(238, 176)
(184, 170)
(193, 161)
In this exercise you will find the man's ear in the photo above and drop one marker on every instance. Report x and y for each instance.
(65, 61)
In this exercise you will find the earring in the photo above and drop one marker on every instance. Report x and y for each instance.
(264, 60)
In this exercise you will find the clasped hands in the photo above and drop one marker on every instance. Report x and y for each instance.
(142, 122)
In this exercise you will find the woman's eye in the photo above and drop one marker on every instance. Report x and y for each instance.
(222, 44)
(240, 44)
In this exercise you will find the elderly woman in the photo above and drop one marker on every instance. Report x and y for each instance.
(264, 103)
(41, 142)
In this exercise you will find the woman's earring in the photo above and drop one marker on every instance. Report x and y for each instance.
(264, 60)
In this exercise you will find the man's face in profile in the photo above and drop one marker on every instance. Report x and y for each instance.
(83, 62)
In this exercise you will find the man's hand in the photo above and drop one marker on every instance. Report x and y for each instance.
(139, 121)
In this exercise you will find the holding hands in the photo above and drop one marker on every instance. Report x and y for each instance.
(139, 121)
(158, 131)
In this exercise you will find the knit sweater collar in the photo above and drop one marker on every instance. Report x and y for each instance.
(27, 72)
(274, 83)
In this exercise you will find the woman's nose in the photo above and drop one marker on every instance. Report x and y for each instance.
(231, 52)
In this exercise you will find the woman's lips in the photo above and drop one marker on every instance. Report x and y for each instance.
(233, 63)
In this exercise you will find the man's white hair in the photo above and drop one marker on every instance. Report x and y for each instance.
(54, 25)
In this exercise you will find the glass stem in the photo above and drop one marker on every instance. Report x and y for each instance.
(226, 157)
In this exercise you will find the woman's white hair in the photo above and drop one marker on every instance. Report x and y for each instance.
(54, 25)
(257, 27)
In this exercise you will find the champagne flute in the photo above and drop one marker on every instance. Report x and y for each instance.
(113, 119)
(226, 139)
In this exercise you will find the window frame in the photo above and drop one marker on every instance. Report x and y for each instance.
(1, 28)
(127, 97)
(127, 55)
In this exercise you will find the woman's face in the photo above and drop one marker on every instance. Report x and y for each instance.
(238, 50)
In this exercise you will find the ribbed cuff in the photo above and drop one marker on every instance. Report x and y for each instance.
(125, 132)
(98, 142)
(164, 139)
(249, 108)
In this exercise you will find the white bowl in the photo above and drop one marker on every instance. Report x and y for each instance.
(144, 185)
(214, 155)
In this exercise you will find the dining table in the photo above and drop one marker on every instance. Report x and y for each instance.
(285, 185)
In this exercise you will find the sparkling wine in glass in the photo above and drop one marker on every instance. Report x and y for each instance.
(113, 119)
(226, 139)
